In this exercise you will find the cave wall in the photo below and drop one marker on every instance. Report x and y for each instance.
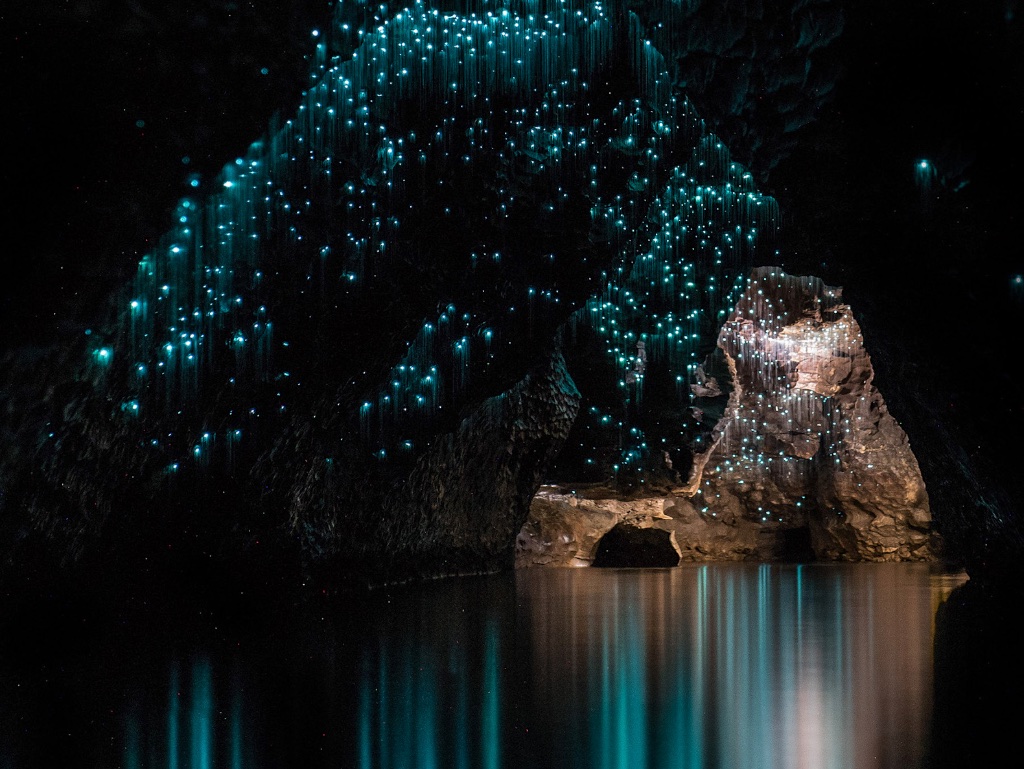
(326, 318)
(73, 453)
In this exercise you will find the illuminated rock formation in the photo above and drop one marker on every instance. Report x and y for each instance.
(806, 438)
(803, 461)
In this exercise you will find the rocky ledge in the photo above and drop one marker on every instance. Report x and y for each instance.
(801, 459)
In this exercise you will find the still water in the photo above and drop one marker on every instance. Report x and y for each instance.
(722, 665)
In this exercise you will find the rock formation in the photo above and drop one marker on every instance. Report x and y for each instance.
(804, 461)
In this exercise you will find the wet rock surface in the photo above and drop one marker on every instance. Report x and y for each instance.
(566, 528)
(806, 438)
(805, 462)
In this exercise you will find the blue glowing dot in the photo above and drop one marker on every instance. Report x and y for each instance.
(229, 184)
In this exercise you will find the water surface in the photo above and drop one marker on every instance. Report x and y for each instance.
(725, 665)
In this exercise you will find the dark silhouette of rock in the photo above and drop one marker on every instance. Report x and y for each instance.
(342, 348)
(627, 546)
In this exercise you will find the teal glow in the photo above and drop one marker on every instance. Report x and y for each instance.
(750, 666)
(237, 737)
(188, 320)
(491, 716)
(201, 716)
(132, 744)
(173, 719)
(925, 173)
(422, 705)
(364, 716)
(725, 666)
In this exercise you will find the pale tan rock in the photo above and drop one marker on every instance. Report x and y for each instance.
(806, 461)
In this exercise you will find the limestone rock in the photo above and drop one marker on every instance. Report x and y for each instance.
(805, 463)
(562, 532)
(566, 527)
(806, 439)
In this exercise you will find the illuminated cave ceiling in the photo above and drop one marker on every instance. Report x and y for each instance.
(133, 176)
(402, 248)
(181, 87)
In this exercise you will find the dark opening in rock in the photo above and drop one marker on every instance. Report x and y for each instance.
(785, 545)
(630, 546)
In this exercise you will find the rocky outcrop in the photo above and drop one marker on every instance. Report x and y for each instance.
(806, 439)
(468, 496)
(805, 461)
(566, 527)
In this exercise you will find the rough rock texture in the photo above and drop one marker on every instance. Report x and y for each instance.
(565, 528)
(468, 496)
(805, 462)
(806, 439)
(455, 509)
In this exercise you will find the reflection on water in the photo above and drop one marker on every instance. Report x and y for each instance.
(734, 666)
(188, 736)
(423, 705)
(707, 666)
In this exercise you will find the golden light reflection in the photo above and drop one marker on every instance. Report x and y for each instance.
(719, 665)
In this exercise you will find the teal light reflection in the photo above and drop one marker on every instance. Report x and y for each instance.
(202, 716)
(132, 743)
(236, 728)
(183, 734)
(742, 666)
(738, 666)
(173, 715)
(422, 704)
(491, 730)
